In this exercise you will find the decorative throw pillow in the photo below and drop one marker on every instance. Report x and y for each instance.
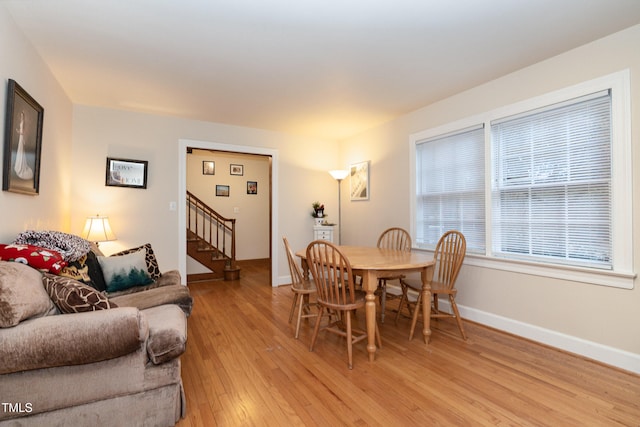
(125, 271)
(71, 296)
(150, 259)
(35, 256)
(21, 294)
(86, 270)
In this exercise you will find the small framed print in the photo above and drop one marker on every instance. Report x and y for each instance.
(126, 173)
(252, 187)
(359, 181)
(222, 190)
(208, 167)
(236, 169)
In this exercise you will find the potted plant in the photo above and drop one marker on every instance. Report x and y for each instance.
(318, 212)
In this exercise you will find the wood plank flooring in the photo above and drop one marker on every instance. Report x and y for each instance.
(243, 367)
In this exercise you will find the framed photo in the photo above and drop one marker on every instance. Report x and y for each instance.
(208, 167)
(236, 169)
(22, 142)
(222, 190)
(359, 181)
(126, 173)
(252, 187)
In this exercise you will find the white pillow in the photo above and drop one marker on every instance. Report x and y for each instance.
(125, 271)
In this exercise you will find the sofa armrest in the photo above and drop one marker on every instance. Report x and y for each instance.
(72, 339)
(167, 333)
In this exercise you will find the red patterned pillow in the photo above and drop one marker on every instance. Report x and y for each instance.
(42, 259)
(71, 296)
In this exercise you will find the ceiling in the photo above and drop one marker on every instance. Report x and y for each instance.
(317, 68)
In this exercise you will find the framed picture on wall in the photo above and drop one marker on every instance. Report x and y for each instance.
(22, 142)
(252, 187)
(208, 167)
(236, 169)
(359, 181)
(222, 190)
(126, 173)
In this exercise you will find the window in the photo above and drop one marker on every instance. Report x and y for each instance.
(551, 186)
(540, 187)
(450, 188)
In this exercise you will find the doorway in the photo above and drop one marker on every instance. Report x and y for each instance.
(183, 145)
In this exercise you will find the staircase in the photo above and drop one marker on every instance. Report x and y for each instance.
(211, 241)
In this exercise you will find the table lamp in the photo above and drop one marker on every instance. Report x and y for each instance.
(97, 229)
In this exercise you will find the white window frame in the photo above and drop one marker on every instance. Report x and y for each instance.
(622, 273)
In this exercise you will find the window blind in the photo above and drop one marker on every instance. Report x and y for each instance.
(551, 184)
(450, 188)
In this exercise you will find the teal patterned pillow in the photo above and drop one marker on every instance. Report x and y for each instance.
(125, 271)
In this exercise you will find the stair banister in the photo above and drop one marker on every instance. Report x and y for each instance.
(215, 229)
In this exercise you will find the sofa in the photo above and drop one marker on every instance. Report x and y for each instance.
(73, 355)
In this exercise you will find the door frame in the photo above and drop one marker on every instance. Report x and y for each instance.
(183, 144)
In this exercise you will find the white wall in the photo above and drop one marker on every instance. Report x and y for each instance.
(49, 209)
(139, 216)
(597, 321)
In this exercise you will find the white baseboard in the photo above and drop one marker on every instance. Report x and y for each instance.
(602, 353)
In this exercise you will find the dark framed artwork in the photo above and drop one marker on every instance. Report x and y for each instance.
(22, 142)
(222, 190)
(252, 187)
(236, 169)
(208, 167)
(126, 173)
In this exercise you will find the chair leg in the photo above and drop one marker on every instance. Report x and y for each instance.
(454, 306)
(383, 299)
(435, 303)
(293, 305)
(301, 306)
(403, 298)
(416, 313)
(316, 328)
(349, 339)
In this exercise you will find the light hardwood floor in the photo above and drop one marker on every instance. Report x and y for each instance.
(243, 367)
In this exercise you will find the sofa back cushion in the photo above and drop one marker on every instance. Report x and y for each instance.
(22, 295)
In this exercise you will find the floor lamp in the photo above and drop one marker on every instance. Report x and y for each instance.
(339, 175)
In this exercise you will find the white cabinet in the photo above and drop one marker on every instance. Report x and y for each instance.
(323, 232)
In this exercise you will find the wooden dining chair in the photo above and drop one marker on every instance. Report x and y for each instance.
(333, 276)
(392, 238)
(448, 256)
(302, 289)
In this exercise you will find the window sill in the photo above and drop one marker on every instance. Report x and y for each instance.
(563, 272)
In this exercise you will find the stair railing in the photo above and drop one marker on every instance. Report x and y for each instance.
(219, 232)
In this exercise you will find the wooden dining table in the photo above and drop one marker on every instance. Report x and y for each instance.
(372, 263)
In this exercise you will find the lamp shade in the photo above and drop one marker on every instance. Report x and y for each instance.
(339, 174)
(98, 229)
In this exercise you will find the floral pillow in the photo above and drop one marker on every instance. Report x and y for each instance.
(46, 260)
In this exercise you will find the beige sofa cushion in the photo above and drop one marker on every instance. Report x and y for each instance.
(22, 295)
